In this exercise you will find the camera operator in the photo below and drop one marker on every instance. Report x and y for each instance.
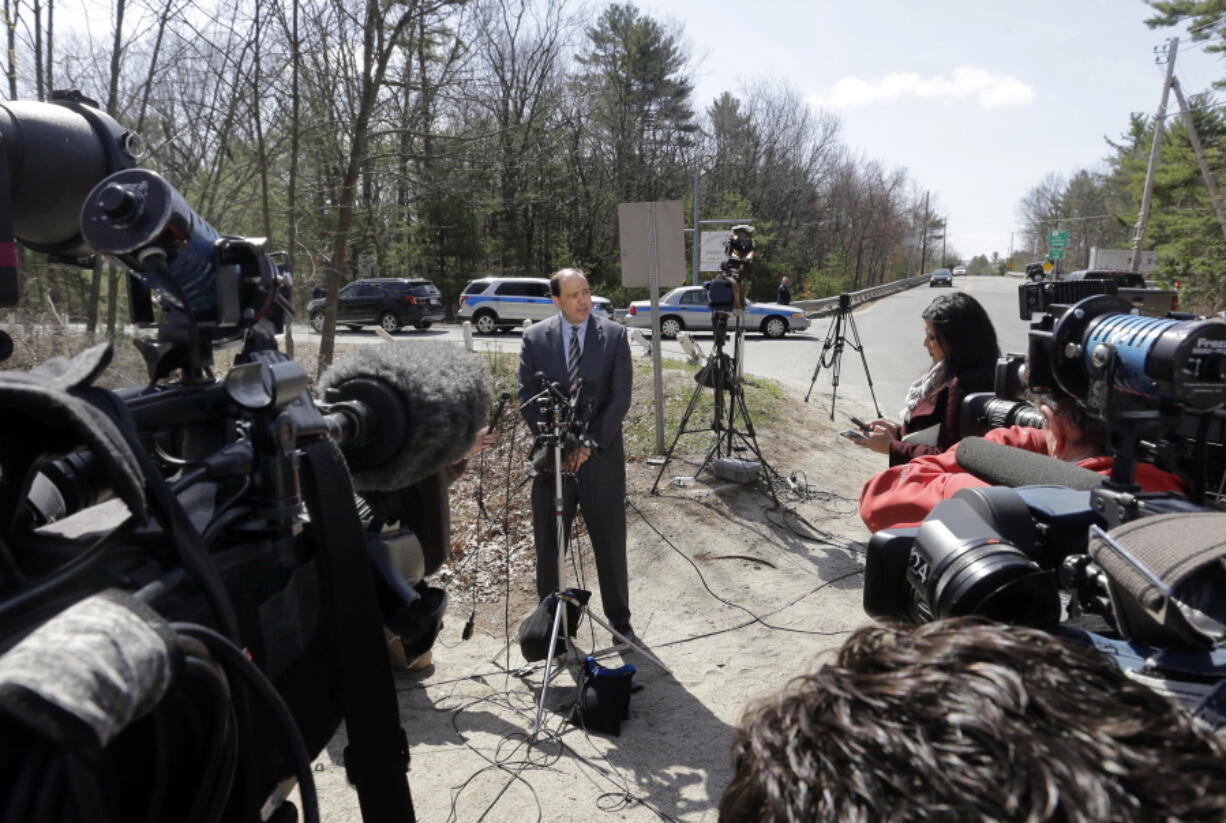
(574, 346)
(961, 340)
(903, 495)
(965, 719)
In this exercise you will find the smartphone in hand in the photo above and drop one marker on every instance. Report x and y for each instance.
(858, 423)
(852, 434)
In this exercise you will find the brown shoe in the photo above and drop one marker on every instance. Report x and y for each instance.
(422, 662)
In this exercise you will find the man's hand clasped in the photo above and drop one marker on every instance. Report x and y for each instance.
(577, 458)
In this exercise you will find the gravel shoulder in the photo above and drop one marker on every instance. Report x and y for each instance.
(733, 596)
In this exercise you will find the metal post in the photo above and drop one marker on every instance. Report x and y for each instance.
(696, 263)
(924, 241)
(1138, 238)
(653, 285)
(1194, 139)
(944, 235)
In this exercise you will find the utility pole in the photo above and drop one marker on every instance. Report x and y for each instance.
(1194, 139)
(944, 236)
(695, 269)
(1138, 239)
(924, 237)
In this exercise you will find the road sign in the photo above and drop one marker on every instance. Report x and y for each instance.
(1048, 266)
(1055, 254)
(712, 249)
(1057, 239)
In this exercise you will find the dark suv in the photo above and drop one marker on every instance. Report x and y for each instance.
(391, 302)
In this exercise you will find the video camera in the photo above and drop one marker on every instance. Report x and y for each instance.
(183, 650)
(726, 292)
(1053, 542)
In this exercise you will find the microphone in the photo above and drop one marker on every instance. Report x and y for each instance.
(551, 386)
(421, 405)
(497, 415)
(1008, 466)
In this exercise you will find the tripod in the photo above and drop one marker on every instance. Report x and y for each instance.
(560, 431)
(836, 340)
(723, 374)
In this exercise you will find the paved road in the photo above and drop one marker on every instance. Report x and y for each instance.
(890, 329)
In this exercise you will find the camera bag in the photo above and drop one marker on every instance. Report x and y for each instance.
(1163, 588)
(604, 697)
(535, 631)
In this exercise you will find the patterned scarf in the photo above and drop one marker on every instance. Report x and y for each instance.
(927, 383)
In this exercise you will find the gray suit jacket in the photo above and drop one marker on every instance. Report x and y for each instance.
(605, 370)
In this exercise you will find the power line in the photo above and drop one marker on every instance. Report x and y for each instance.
(1218, 22)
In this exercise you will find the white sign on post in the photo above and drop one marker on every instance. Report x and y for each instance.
(712, 253)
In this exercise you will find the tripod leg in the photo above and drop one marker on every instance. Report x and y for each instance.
(634, 646)
(751, 442)
(553, 640)
(826, 345)
(685, 419)
(855, 333)
(837, 372)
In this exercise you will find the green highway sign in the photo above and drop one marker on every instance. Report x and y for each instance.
(1055, 254)
(1057, 239)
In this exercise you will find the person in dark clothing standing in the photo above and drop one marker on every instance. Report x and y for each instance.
(572, 345)
(785, 294)
(961, 341)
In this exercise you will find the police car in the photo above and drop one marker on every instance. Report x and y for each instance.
(686, 309)
(494, 303)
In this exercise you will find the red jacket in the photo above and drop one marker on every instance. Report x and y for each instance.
(903, 495)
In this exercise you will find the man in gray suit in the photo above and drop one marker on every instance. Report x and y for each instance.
(570, 346)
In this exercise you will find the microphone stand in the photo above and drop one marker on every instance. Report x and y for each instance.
(556, 431)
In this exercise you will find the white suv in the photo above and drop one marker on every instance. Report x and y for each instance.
(494, 303)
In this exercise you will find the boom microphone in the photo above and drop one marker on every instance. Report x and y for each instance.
(1003, 465)
(425, 403)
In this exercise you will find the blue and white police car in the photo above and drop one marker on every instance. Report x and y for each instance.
(686, 308)
(502, 303)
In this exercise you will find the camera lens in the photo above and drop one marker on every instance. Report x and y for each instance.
(995, 580)
(960, 565)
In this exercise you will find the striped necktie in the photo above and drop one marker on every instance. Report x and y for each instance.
(572, 362)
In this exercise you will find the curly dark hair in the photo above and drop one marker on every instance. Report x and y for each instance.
(968, 720)
(966, 333)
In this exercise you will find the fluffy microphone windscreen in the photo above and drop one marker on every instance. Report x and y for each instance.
(1003, 465)
(445, 397)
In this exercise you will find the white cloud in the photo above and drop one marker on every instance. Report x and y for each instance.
(963, 84)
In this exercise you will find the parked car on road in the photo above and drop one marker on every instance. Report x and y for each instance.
(941, 277)
(959, 270)
(390, 302)
(686, 308)
(494, 303)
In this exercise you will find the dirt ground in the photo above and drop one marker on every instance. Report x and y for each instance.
(734, 595)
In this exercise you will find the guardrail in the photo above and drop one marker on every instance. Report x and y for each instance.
(816, 308)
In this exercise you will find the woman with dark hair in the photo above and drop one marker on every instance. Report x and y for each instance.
(961, 341)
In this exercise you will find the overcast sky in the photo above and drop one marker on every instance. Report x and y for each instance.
(977, 100)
